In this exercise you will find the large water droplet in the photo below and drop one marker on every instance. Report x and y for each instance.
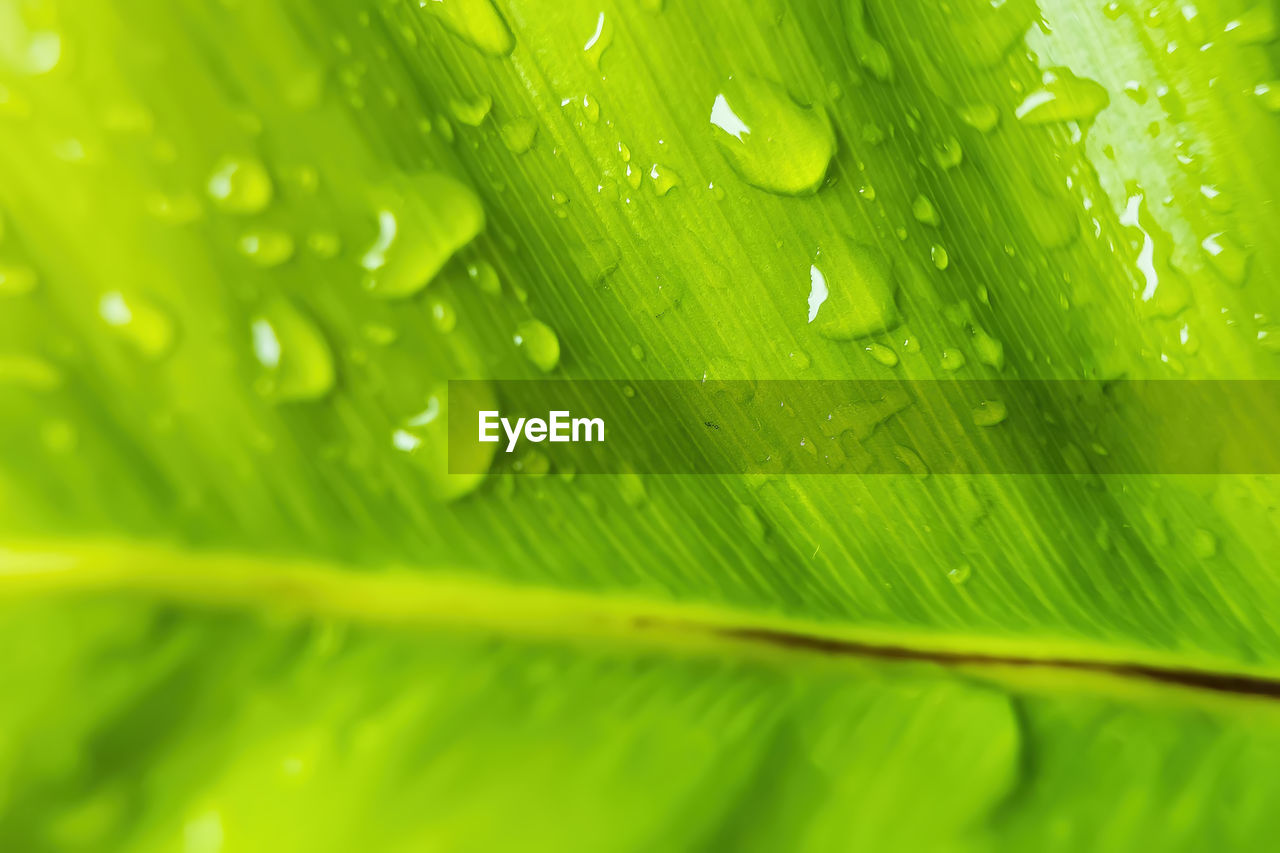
(420, 226)
(1063, 97)
(476, 21)
(851, 293)
(296, 359)
(770, 140)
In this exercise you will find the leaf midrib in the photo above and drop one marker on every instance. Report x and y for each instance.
(449, 599)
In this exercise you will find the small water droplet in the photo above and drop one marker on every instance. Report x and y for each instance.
(241, 185)
(988, 413)
(16, 280)
(296, 359)
(1226, 256)
(980, 116)
(871, 54)
(948, 154)
(1204, 544)
(951, 359)
(883, 354)
(924, 212)
(960, 574)
(443, 315)
(664, 179)
(989, 350)
(29, 371)
(540, 344)
(518, 134)
(324, 244)
(143, 324)
(484, 276)
(939, 256)
(471, 111)
(266, 247)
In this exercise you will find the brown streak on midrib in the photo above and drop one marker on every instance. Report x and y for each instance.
(1218, 682)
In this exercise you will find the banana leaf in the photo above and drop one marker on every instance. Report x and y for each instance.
(248, 602)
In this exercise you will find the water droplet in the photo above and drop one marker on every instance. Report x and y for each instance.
(939, 256)
(475, 21)
(443, 315)
(1164, 291)
(952, 359)
(484, 276)
(590, 109)
(871, 54)
(29, 371)
(379, 334)
(1226, 257)
(241, 185)
(599, 40)
(471, 111)
(664, 179)
(419, 229)
(771, 141)
(1268, 95)
(637, 352)
(424, 435)
(540, 344)
(59, 436)
(948, 154)
(518, 134)
(924, 212)
(296, 359)
(911, 461)
(960, 574)
(324, 244)
(144, 325)
(1204, 544)
(988, 413)
(990, 351)
(852, 293)
(632, 490)
(1136, 91)
(1218, 201)
(883, 354)
(1257, 25)
(1063, 97)
(176, 209)
(16, 280)
(266, 247)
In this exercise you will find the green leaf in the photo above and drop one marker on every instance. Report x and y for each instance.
(244, 245)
